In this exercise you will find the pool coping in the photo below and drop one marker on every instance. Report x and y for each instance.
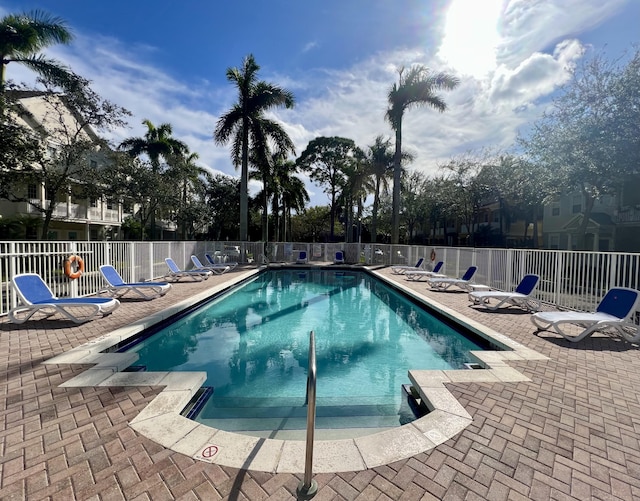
(161, 421)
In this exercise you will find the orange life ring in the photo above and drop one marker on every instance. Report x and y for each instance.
(79, 269)
(433, 254)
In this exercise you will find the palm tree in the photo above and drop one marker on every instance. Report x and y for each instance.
(188, 174)
(290, 193)
(22, 36)
(247, 125)
(380, 157)
(356, 187)
(157, 144)
(416, 88)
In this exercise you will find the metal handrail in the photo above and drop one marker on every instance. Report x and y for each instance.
(308, 487)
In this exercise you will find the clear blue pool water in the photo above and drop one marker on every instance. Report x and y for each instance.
(253, 344)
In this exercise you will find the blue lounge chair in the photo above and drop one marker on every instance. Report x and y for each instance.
(302, 257)
(339, 258)
(614, 315)
(521, 297)
(417, 275)
(118, 287)
(176, 274)
(36, 297)
(443, 283)
(218, 269)
(403, 269)
(212, 261)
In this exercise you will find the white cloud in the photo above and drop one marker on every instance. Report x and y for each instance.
(537, 76)
(492, 102)
(532, 26)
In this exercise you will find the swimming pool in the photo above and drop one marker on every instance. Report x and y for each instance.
(253, 344)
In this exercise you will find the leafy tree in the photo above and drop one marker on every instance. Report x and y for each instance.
(589, 136)
(414, 207)
(69, 152)
(325, 158)
(23, 36)
(520, 187)
(19, 147)
(224, 206)
(416, 88)
(248, 127)
(311, 225)
(464, 194)
(134, 181)
(157, 144)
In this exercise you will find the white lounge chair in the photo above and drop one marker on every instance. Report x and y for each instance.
(218, 269)
(443, 283)
(117, 287)
(417, 275)
(521, 297)
(212, 261)
(302, 257)
(614, 315)
(36, 297)
(402, 269)
(176, 274)
(339, 258)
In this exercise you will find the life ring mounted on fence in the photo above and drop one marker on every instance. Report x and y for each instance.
(72, 271)
(433, 255)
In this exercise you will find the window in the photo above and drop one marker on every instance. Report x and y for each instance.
(576, 208)
(109, 204)
(554, 241)
(555, 210)
(73, 235)
(496, 216)
(31, 233)
(94, 234)
(32, 191)
(93, 202)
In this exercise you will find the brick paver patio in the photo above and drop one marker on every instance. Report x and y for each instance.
(570, 433)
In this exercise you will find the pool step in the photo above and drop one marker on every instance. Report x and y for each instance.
(342, 421)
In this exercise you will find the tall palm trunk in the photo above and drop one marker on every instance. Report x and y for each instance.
(397, 171)
(244, 181)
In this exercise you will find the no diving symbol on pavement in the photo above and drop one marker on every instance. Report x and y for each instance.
(208, 452)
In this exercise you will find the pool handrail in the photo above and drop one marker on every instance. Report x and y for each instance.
(308, 487)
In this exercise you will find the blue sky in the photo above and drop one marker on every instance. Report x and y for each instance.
(165, 61)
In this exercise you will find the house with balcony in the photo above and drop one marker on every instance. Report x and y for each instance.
(75, 215)
(614, 223)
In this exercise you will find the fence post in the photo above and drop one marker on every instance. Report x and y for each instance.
(613, 269)
(13, 271)
(509, 284)
(150, 249)
(558, 284)
(132, 260)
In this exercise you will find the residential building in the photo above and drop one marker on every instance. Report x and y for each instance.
(75, 217)
(614, 223)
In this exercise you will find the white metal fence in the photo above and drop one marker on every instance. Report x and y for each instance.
(568, 279)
